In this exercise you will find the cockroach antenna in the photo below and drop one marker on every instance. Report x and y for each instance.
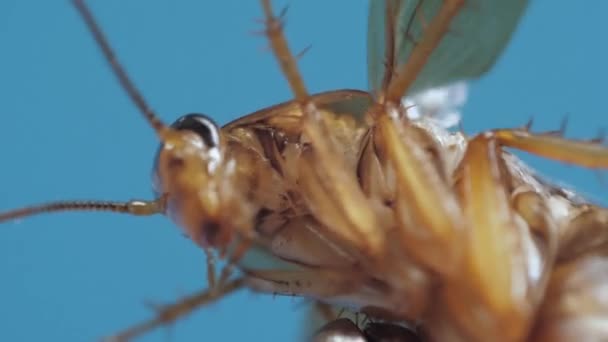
(133, 207)
(117, 68)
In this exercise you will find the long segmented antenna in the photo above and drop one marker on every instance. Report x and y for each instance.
(118, 70)
(134, 207)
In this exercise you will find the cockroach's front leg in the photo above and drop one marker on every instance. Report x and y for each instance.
(326, 182)
(321, 284)
(316, 268)
(170, 313)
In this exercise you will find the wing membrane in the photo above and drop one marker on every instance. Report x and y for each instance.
(477, 38)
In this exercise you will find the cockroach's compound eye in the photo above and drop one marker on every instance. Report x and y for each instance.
(201, 125)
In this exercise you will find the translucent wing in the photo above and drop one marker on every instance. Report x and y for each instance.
(477, 37)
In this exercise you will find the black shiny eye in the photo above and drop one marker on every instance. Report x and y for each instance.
(201, 125)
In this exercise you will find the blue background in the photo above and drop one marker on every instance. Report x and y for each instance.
(67, 131)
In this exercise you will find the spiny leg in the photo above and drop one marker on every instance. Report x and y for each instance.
(589, 153)
(170, 313)
(328, 179)
(216, 290)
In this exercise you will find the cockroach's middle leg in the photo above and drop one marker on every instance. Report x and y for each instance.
(430, 226)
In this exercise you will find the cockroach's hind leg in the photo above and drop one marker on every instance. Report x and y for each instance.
(587, 153)
(495, 277)
(168, 314)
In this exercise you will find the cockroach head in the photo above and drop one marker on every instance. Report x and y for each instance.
(188, 170)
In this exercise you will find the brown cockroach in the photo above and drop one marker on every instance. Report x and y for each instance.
(364, 206)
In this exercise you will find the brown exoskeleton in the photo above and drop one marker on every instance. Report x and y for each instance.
(392, 216)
